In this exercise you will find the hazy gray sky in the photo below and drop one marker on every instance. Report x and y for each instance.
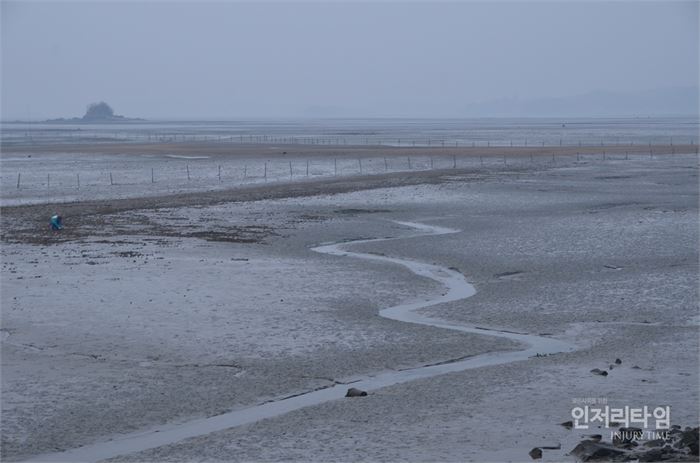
(231, 59)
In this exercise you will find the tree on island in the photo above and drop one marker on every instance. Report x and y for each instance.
(98, 111)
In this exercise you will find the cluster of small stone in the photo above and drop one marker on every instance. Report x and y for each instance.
(678, 445)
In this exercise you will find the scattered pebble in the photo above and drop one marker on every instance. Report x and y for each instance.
(354, 392)
(535, 453)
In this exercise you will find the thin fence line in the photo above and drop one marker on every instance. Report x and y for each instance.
(57, 185)
(38, 136)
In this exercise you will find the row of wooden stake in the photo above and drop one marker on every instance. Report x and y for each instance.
(335, 167)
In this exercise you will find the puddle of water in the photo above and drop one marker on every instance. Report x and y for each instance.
(457, 288)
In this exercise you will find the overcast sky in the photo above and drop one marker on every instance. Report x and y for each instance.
(231, 59)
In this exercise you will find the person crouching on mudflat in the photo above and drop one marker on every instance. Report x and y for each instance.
(56, 222)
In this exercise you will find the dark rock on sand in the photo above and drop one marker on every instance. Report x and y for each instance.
(598, 371)
(655, 443)
(568, 424)
(680, 446)
(652, 455)
(535, 453)
(689, 438)
(618, 361)
(627, 437)
(589, 450)
(354, 392)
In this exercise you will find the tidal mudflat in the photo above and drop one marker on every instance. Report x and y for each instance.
(148, 314)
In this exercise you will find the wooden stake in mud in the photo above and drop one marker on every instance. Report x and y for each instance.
(577, 156)
(290, 169)
(188, 172)
(359, 162)
(531, 159)
(603, 155)
(504, 159)
(18, 178)
(219, 173)
(153, 176)
(265, 175)
(553, 160)
(409, 163)
(111, 180)
(386, 166)
(78, 177)
(431, 162)
(454, 161)
(48, 181)
(335, 167)
(626, 155)
(307, 168)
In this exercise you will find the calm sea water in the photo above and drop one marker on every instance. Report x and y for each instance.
(402, 132)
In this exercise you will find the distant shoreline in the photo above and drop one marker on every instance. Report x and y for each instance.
(264, 150)
(247, 119)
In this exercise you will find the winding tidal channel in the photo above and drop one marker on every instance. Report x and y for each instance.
(457, 288)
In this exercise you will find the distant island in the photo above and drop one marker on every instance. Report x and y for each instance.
(98, 112)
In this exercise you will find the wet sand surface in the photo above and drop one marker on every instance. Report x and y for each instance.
(163, 310)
